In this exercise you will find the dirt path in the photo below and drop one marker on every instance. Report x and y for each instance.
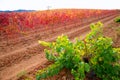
(30, 56)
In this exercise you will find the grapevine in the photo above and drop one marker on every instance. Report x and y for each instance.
(94, 53)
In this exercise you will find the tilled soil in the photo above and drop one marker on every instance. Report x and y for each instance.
(112, 31)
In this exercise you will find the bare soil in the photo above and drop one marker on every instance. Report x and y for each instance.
(112, 31)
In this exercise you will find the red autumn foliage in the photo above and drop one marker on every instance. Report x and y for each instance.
(15, 22)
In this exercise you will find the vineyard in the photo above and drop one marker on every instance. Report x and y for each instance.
(83, 52)
(15, 23)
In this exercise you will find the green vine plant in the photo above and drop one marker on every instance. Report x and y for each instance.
(104, 59)
(94, 53)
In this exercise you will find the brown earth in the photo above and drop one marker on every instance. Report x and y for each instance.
(113, 31)
(24, 54)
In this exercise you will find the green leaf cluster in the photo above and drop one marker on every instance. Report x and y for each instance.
(67, 55)
(104, 58)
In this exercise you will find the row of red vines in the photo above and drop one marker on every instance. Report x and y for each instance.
(15, 22)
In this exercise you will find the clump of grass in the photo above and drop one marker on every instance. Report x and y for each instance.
(22, 73)
(117, 19)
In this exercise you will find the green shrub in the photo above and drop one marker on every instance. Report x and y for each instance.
(95, 52)
(66, 55)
